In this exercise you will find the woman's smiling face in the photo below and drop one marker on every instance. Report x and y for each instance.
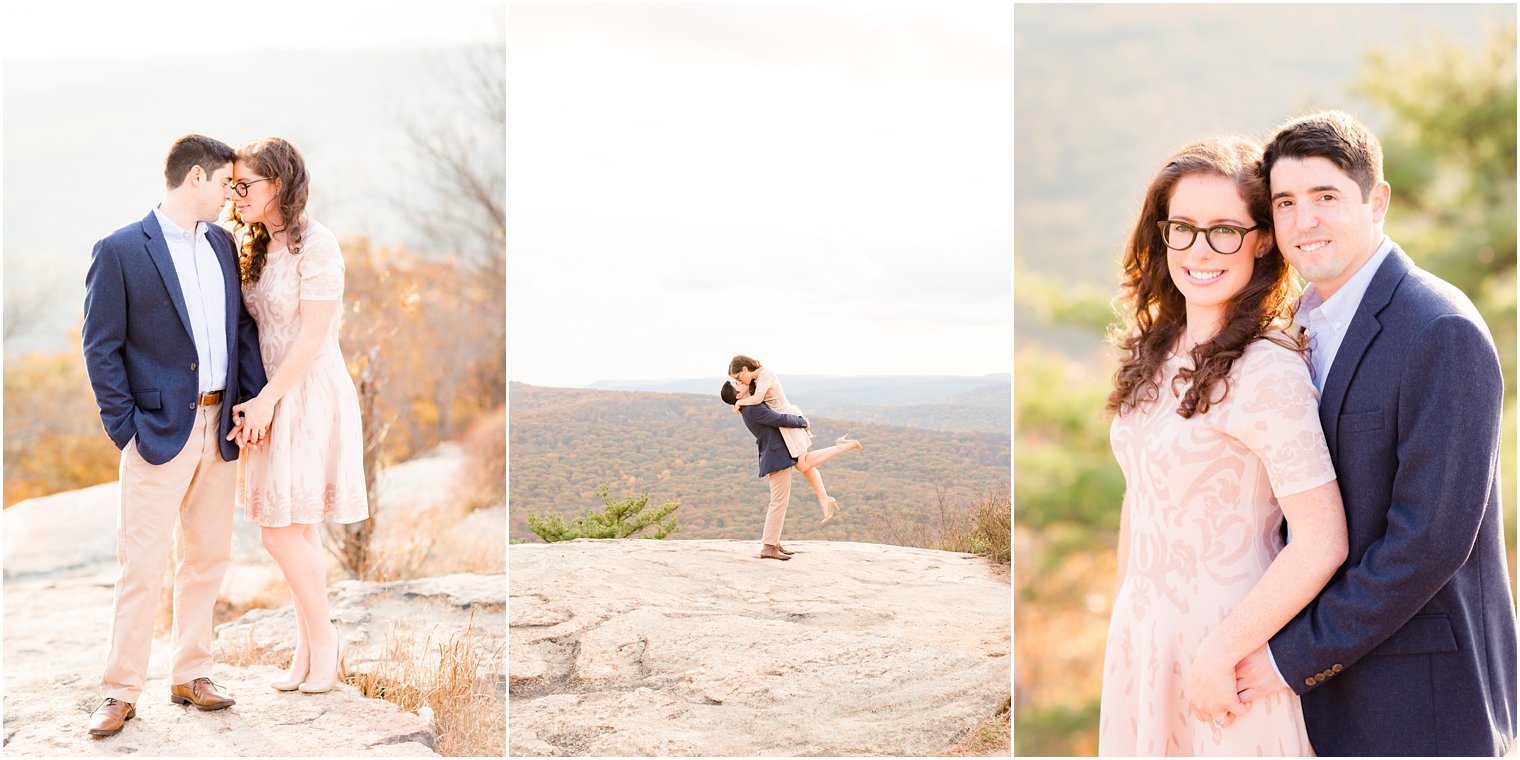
(1209, 279)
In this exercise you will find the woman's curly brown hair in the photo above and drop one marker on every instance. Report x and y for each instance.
(1155, 312)
(278, 160)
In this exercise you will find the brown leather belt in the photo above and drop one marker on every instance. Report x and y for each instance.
(207, 399)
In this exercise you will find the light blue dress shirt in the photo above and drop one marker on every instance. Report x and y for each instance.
(200, 280)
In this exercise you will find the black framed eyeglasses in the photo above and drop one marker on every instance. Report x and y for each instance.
(241, 188)
(1223, 238)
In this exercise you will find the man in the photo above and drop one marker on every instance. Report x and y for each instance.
(169, 349)
(776, 465)
(1410, 649)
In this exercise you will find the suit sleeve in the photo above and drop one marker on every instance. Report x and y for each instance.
(251, 377)
(1449, 411)
(105, 337)
(764, 415)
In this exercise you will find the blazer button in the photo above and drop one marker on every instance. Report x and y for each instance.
(1336, 668)
(192, 405)
(192, 366)
(1309, 681)
(1319, 678)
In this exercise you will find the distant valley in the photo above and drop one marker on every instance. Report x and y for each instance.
(565, 442)
(947, 403)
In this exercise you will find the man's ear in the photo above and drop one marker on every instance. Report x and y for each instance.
(1381, 197)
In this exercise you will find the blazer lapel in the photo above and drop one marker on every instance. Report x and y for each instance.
(231, 284)
(158, 251)
(1359, 335)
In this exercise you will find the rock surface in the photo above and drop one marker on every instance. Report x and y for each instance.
(60, 569)
(425, 614)
(695, 648)
(52, 718)
(55, 644)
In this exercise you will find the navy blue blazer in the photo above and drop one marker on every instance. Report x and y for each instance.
(765, 423)
(1410, 649)
(137, 345)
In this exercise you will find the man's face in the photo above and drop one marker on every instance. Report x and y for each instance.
(1324, 226)
(213, 194)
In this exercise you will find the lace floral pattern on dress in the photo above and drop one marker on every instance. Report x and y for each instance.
(312, 466)
(1204, 523)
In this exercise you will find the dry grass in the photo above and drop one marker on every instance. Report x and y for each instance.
(484, 481)
(985, 529)
(249, 652)
(992, 737)
(471, 721)
(424, 544)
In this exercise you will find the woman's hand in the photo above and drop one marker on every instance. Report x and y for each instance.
(1210, 687)
(738, 408)
(256, 415)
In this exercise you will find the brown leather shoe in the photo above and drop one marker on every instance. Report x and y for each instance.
(112, 714)
(772, 552)
(202, 693)
(784, 550)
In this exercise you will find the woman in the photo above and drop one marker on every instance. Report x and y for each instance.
(1217, 432)
(305, 463)
(759, 385)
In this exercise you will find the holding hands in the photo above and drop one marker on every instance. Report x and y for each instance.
(1255, 677)
(251, 421)
(1210, 687)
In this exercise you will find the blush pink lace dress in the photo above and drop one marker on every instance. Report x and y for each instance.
(798, 440)
(1203, 526)
(312, 468)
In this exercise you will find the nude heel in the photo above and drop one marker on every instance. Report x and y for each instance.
(322, 687)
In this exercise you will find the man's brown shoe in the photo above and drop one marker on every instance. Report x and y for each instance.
(772, 552)
(202, 693)
(784, 550)
(112, 714)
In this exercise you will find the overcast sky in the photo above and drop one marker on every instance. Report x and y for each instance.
(39, 29)
(100, 91)
(826, 188)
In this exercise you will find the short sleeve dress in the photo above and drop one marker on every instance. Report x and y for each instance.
(312, 467)
(798, 440)
(1204, 523)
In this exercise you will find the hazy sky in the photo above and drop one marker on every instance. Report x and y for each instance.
(826, 188)
(103, 100)
(39, 29)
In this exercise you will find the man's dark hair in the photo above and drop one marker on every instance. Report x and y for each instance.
(191, 151)
(728, 394)
(1333, 135)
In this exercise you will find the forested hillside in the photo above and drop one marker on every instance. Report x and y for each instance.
(565, 442)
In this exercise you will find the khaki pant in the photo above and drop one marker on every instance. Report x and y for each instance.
(781, 495)
(185, 503)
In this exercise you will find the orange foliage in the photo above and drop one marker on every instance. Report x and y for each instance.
(432, 328)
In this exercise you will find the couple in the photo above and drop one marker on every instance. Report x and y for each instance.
(215, 363)
(782, 439)
(1384, 626)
